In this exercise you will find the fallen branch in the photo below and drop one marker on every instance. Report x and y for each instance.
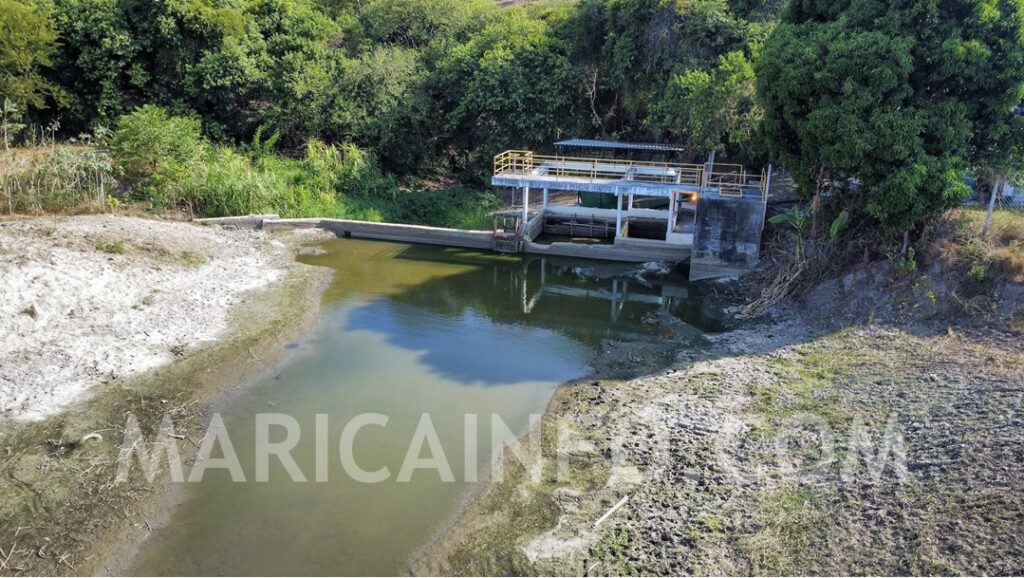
(621, 503)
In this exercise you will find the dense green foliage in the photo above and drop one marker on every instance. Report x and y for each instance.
(890, 101)
(897, 99)
(27, 43)
(312, 107)
(425, 85)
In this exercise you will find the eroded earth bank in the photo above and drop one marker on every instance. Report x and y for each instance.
(871, 428)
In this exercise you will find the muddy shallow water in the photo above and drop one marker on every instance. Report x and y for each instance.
(404, 331)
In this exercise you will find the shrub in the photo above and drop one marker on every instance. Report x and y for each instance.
(978, 273)
(151, 144)
(457, 208)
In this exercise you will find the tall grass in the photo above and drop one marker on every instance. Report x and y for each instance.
(56, 179)
(165, 166)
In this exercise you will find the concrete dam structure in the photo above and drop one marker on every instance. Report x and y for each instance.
(711, 214)
(611, 209)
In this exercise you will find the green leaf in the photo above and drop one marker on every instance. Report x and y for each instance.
(839, 225)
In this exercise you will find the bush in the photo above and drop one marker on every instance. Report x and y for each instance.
(456, 208)
(151, 144)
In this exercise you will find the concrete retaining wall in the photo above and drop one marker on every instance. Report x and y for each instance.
(410, 234)
(617, 252)
(535, 226)
(389, 232)
(727, 239)
(625, 250)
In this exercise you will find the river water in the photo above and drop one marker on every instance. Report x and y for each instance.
(404, 331)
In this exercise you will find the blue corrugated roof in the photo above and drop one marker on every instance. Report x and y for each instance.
(611, 144)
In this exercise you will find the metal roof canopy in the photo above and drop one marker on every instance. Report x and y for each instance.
(616, 145)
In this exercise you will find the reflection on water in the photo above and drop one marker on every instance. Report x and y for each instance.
(404, 330)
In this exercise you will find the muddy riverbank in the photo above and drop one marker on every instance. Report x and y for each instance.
(214, 310)
(795, 445)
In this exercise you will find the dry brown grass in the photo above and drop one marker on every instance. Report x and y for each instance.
(956, 241)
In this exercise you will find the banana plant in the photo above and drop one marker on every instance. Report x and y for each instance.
(800, 219)
(839, 225)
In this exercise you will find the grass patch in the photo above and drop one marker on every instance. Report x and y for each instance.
(341, 182)
(613, 551)
(116, 247)
(806, 385)
(789, 520)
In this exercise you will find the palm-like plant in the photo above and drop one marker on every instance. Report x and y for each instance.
(800, 219)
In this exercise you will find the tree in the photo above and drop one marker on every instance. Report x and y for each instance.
(420, 23)
(27, 42)
(715, 109)
(392, 107)
(512, 85)
(892, 101)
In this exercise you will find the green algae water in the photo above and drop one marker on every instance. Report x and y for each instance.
(404, 331)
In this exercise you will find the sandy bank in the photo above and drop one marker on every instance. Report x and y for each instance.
(86, 300)
(141, 317)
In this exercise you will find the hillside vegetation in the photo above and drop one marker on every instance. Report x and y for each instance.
(370, 110)
(393, 109)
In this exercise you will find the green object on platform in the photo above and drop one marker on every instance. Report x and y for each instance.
(597, 200)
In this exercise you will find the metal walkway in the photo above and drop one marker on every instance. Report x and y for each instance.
(524, 169)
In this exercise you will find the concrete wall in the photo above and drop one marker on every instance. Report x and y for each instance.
(628, 250)
(617, 252)
(368, 230)
(727, 239)
(535, 226)
(410, 233)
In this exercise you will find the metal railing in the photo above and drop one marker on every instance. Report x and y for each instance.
(728, 179)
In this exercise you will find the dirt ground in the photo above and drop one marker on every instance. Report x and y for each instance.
(165, 316)
(876, 436)
(867, 429)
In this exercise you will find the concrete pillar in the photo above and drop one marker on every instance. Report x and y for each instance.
(618, 214)
(526, 205)
(545, 203)
(671, 214)
(630, 201)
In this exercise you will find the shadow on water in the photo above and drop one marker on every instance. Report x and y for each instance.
(404, 330)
